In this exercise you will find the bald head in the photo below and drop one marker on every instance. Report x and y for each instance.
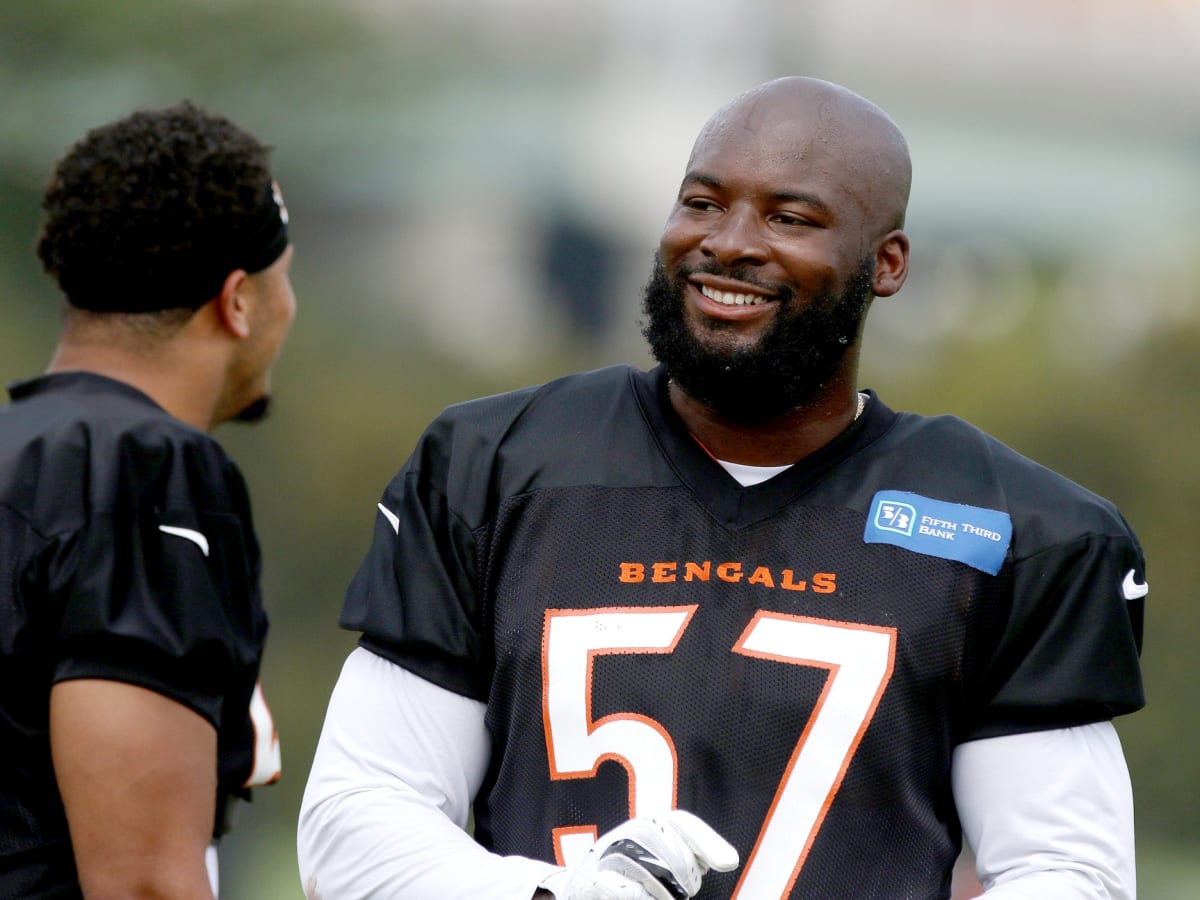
(819, 124)
(786, 227)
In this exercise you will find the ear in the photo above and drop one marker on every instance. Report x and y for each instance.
(891, 264)
(232, 304)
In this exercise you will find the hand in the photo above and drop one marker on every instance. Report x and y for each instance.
(660, 857)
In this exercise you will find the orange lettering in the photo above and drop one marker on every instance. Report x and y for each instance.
(664, 572)
(789, 582)
(824, 582)
(632, 573)
(730, 571)
(762, 575)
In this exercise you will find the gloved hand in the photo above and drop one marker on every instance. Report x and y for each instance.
(660, 857)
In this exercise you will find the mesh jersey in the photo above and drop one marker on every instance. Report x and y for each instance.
(126, 553)
(646, 632)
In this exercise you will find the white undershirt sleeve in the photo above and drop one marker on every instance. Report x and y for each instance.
(387, 801)
(1048, 814)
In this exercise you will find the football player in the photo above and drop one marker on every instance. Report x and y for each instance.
(131, 622)
(733, 627)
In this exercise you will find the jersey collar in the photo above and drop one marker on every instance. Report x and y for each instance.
(79, 383)
(728, 501)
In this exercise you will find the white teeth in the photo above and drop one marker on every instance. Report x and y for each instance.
(725, 298)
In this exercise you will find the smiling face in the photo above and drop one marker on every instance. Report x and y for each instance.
(785, 225)
(747, 363)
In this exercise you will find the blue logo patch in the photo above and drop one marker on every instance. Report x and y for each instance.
(968, 534)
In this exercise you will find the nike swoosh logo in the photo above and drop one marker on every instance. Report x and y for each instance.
(393, 519)
(1132, 589)
(188, 535)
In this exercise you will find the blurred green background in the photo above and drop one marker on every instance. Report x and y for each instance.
(476, 187)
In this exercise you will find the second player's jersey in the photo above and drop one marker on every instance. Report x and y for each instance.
(794, 661)
(127, 553)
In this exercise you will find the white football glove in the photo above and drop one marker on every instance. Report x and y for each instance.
(660, 857)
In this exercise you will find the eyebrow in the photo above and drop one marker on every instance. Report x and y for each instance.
(811, 200)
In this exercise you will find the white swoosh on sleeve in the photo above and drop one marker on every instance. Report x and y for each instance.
(187, 534)
(393, 519)
(1131, 589)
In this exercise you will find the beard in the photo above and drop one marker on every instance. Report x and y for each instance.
(255, 412)
(785, 369)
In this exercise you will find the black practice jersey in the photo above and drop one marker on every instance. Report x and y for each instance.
(793, 661)
(127, 553)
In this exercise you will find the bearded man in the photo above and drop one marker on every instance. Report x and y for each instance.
(732, 627)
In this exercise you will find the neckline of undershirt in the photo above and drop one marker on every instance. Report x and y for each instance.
(748, 476)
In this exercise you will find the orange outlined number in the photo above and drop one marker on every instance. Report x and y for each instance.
(860, 660)
(575, 744)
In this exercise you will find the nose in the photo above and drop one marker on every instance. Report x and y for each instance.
(735, 239)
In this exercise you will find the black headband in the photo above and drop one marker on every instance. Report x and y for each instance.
(192, 280)
(266, 235)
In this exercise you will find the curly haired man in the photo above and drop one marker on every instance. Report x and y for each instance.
(131, 621)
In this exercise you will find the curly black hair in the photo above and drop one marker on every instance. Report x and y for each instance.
(152, 211)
